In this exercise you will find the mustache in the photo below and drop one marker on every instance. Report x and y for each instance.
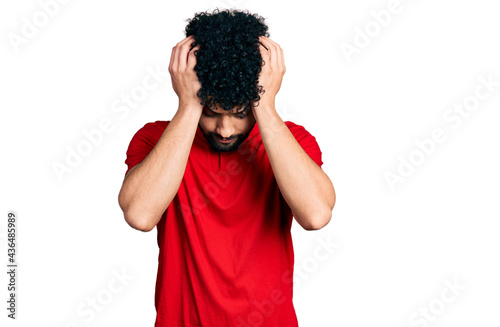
(215, 135)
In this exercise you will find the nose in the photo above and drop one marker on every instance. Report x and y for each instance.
(224, 127)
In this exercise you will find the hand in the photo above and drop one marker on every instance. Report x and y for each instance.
(273, 69)
(184, 79)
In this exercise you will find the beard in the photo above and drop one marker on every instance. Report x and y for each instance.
(217, 146)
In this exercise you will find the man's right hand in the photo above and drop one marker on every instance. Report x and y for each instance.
(184, 79)
(148, 190)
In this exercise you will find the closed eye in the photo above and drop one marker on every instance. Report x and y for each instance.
(209, 113)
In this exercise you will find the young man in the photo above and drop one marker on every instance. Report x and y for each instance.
(223, 179)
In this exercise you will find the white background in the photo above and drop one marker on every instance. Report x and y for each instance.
(395, 247)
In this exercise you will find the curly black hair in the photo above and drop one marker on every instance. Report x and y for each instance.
(228, 61)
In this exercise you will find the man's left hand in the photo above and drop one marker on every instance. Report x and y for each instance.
(272, 71)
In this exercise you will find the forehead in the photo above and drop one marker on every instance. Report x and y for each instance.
(219, 110)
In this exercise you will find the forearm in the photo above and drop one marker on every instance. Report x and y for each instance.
(303, 184)
(149, 188)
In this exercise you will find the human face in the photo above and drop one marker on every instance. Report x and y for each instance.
(225, 130)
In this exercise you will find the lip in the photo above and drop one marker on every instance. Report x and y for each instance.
(224, 141)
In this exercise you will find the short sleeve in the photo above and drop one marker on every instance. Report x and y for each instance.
(306, 141)
(142, 143)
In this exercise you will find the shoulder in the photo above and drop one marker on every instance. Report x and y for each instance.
(307, 141)
(155, 126)
(293, 126)
(152, 129)
(149, 134)
(297, 130)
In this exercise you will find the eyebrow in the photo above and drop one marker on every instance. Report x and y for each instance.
(244, 111)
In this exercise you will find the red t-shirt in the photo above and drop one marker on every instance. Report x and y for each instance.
(225, 249)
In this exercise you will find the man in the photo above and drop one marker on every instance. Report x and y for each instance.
(223, 179)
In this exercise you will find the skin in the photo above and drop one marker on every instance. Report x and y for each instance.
(219, 124)
(150, 186)
(304, 186)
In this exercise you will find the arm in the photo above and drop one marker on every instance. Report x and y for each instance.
(149, 187)
(305, 187)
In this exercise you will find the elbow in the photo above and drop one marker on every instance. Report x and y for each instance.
(134, 220)
(323, 217)
(316, 220)
(319, 222)
(138, 223)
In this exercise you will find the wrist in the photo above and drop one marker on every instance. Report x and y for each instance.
(264, 108)
(266, 99)
(193, 104)
(190, 108)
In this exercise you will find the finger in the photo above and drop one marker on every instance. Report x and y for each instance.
(192, 58)
(172, 60)
(264, 51)
(261, 40)
(182, 52)
(273, 52)
(177, 56)
(283, 61)
(280, 59)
